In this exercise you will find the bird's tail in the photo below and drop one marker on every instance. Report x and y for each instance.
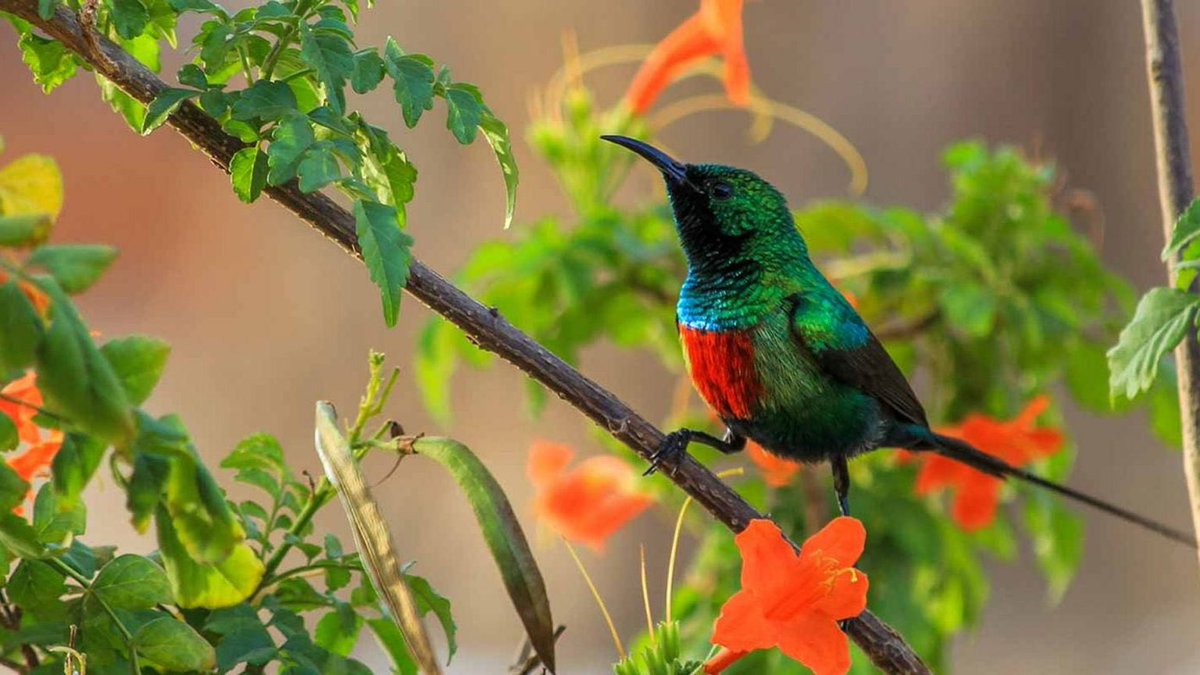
(968, 454)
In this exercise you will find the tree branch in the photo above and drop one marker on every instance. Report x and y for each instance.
(486, 328)
(1164, 70)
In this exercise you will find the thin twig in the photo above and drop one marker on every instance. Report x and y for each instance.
(1164, 70)
(886, 649)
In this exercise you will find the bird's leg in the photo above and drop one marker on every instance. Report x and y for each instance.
(674, 446)
(841, 482)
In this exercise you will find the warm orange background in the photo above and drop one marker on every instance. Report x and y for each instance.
(266, 317)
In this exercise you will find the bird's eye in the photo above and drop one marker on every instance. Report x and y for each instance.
(721, 191)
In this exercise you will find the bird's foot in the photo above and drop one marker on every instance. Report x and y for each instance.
(670, 451)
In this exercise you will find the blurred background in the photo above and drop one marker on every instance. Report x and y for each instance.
(265, 316)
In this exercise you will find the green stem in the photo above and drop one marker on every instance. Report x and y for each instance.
(269, 63)
(241, 50)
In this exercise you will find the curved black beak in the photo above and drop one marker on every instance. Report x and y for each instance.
(674, 171)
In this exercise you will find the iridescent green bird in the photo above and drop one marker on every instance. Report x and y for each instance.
(779, 353)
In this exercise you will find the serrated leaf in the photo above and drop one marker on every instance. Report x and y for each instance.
(368, 71)
(49, 61)
(1185, 231)
(13, 488)
(412, 76)
(429, 600)
(464, 110)
(190, 75)
(138, 361)
(74, 266)
(291, 139)
(504, 536)
(209, 585)
(401, 177)
(167, 102)
(173, 646)
(201, 6)
(130, 109)
(331, 58)
(248, 173)
(74, 376)
(392, 641)
(265, 100)
(1162, 319)
(338, 630)
(129, 17)
(20, 328)
(132, 582)
(385, 251)
(496, 134)
(318, 168)
(371, 535)
(18, 536)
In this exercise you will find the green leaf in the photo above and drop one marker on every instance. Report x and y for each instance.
(244, 637)
(385, 250)
(401, 177)
(330, 56)
(413, 79)
(129, 108)
(338, 630)
(55, 519)
(173, 646)
(129, 17)
(496, 134)
(265, 100)
(74, 266)
(368, 71)
(18, 536)
(318, 168)
(1186, 229)
(291, 140)
(1163, 317)
(25, 229)
(248, 173)
(258, 451)
(392, 640)
(132, 582)
(201, 6)
(138, 361)
(20, 329)
(464, 110)
(429, 600)
(190, 75)
(74, 376)
(13, 488)
(209, 585)
(9, 438)
(504, 536)
(371, 535)
(969, 307)
(51, 63)
(167, 102)
(75, 463)
(35, 584)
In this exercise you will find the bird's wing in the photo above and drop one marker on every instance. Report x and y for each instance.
(846, 349)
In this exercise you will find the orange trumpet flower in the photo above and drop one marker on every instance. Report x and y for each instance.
(794, 601)
(716, 29)
(588, 503)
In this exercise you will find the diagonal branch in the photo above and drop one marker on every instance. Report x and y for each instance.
(1164, 71)
(486, 328)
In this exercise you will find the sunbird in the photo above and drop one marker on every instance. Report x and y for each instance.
(778, 352)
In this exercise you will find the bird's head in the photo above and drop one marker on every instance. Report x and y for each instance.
(724, 214)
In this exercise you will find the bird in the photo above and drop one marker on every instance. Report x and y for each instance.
(778, 352)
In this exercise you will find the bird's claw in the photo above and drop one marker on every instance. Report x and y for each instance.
(672, 449)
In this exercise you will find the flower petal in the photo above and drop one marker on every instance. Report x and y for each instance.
(741, 627)
(847, 598)
(547, 461)
(681, 48)
(766, 555)
(975, 503)
(843, 539)
(816, 642)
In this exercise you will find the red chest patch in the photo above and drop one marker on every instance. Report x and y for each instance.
(722, 368)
